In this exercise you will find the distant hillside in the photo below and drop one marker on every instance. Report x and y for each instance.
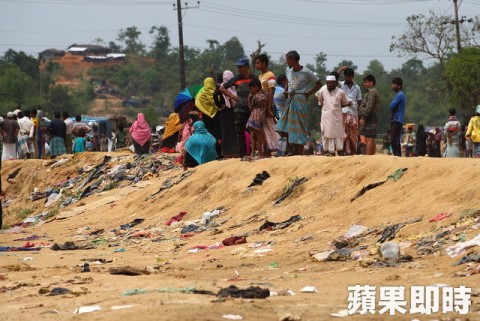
(74, 70)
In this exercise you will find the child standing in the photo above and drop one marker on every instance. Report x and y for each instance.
(257, 103)
(79, 143)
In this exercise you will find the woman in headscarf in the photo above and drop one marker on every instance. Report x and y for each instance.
(226, 106)
(421, 147)
(172, 128)
(206, 104)
(140, 132)
(200, 147)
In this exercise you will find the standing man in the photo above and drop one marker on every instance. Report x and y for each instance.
(269, 82)
(68, 138)
(241, 111)
(57, 130)
(397, 108)
(9, 129)
(302, 82)
(332, 99)
(350, 113)
(25, 136)
(368, 115)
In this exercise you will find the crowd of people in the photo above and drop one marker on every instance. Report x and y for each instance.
(249, 117)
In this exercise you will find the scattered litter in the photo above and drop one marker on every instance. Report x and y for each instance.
(232, 316)
(234, 240)
(355, 230)
(395, 176)
(284, 292)
(458, 248)
(269, 226)
(87, 309)
(169, 182)
(253, 292)
(122, 249)
(128, 270)
(59, 291)
(132, 223)
(390, 250)
(309, 289)
(440, 217)
(176, 218)
(390, 231)
(259, 178)
(468, 258)
(294, 184)
(67, 246)
(340, 314)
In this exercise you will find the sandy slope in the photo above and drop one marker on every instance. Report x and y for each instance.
(428, 187)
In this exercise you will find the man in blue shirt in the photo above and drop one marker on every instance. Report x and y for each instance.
(397, 108)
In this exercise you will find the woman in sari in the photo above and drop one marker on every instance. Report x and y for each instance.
(140, 132)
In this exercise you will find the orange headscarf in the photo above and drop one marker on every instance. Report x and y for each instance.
(172, 125)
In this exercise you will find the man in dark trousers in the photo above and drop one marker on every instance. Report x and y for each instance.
(397, 108)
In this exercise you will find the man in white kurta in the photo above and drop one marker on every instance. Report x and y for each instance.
(331, 99)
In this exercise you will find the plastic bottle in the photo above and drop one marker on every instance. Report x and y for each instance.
(390, 250)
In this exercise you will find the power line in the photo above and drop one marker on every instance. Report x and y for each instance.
(93, 2)
(265, 16)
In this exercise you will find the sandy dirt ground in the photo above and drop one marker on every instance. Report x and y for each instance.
(180, 274)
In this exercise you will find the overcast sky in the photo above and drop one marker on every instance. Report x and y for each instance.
(356, 30)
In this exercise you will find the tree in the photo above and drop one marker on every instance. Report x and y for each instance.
(114, 47)
(320, 67)
(432, 36)
(233, 49)
(348, 63)
(27, 64)
(375, 67)
(99, 41)
(161, 42)
(413, 67)
(461, 72)
(132, 43)
(14, 85)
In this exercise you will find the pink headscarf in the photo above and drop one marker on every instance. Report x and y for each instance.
(227, 75)
(140, 130)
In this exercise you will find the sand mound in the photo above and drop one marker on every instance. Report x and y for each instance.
(318, 189)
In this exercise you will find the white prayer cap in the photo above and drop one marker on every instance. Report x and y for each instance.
(10, 114)
(15, 112)
(331, 78)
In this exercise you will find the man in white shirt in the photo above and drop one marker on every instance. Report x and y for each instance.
(25, 136)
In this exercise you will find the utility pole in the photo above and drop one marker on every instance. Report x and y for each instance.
(457, 23)
(457, 26)
(181, 51)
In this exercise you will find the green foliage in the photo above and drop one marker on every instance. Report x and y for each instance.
(22, 213)
(130, 37)
(14, 85)
(462, 72)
